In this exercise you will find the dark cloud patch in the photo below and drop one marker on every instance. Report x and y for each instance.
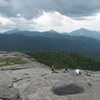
(31, 8)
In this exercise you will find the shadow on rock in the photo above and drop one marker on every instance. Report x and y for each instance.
(68, 89)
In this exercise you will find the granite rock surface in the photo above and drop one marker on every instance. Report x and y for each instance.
(35, 81)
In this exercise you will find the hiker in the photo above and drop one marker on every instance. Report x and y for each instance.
(77, 71)
(65, 70)
(53, 68)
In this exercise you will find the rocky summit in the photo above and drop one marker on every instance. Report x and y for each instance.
(23, 78)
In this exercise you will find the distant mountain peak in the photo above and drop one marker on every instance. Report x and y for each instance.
(12, 31)
(52, 31)
(86, 33)
(82, 29)
(15, 29)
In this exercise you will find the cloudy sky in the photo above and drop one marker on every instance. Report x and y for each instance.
(43, 15)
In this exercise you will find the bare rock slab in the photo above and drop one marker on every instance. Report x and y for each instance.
(9, 93)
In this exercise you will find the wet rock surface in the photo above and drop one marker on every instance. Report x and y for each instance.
(35, 81)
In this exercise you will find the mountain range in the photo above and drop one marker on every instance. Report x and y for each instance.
(79, 41)
(86, 33)
(80, 32)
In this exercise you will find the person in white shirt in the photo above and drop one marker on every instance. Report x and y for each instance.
(77, 71)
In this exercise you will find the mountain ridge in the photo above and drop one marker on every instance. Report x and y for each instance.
(86, 33)
(51, 33)
(50, 41)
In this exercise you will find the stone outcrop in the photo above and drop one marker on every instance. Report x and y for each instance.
(35, 81)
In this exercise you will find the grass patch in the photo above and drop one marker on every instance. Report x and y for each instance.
(11, 61)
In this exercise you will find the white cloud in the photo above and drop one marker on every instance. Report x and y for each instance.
(62, 23)
(15, 22)
(5, 21)
(50, 20)
(18, 15)
(56, 21)
(53, 20)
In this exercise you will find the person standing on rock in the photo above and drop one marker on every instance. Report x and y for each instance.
(53, 68)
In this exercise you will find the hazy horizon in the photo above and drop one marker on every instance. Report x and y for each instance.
(46, 30)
